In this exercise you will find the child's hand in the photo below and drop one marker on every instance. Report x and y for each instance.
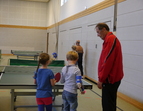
(82, 90)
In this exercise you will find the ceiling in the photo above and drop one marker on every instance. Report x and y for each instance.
(37, 0)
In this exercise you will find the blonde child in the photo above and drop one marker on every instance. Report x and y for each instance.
(71, 77)
(73, 48)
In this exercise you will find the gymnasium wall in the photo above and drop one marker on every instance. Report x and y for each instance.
(22, 25)
(22, 39)
(129, 32)
(25, 13)
(53, 12)
(73, 7)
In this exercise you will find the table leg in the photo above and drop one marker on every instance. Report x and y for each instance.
(35, 57)
(12, 99)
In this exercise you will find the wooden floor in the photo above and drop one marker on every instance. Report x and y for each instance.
(91, 101)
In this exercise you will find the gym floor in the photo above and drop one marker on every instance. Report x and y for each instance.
(91, 101)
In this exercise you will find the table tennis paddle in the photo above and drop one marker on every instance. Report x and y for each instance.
(57, 77)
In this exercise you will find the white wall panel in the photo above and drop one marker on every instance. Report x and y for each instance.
(132, 47)
(132, 90)
(129, 6)
(129, 31)
(90, 64)
(132, 33)
(130, 19)
(84, 36)
(133, 62)
(131, 74)
(102, 15)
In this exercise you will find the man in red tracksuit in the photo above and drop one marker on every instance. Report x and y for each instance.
(110, 67)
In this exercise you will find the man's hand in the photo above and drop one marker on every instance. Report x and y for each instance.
(99, 85)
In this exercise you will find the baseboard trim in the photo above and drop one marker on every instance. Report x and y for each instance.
(130, 100)
(90, 79)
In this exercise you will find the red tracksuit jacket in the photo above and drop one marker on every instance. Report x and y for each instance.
(110, 67)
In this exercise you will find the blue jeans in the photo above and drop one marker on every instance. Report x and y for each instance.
(70, 101)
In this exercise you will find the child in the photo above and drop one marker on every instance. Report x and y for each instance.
(71, 77)
(73, 48)
(55, 55)
(44, 78)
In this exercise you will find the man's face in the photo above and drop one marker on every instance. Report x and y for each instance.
(100, 33)
(77, 43)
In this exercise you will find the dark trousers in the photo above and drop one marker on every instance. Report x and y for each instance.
(79, 62)
(109, 96)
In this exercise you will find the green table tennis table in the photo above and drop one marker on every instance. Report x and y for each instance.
(21, 77)
(26, 54)
(20, 62)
